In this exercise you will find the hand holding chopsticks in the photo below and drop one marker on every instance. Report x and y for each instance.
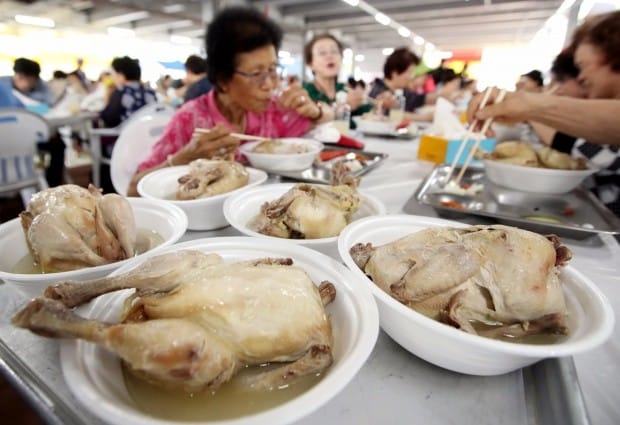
(237, 135)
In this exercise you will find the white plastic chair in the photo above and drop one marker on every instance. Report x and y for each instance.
(134, 144)
(20, 131)
(95, 134)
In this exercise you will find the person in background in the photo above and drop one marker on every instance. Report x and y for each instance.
(196, 81)
(242, 46)
(595, 45)
(323, 55)
(57, 85)
(25, 85)
(130, 94)
(79, 72)
(398, 71)
(532, 81)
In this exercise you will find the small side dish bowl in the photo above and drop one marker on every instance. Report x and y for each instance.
(166, 220)
(590, 316)
(534, 179)
(95, 377)
(202, 213)
(240, 208)
(283, 161)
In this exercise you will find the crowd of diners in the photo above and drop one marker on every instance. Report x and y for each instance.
(240, 89)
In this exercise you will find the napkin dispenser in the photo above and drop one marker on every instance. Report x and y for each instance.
(441, 150)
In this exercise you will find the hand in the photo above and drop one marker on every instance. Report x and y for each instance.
(297, 98)
(387, 100)
(217, 143)
(515, 108)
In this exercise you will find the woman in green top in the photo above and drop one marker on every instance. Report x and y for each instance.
(323, 55)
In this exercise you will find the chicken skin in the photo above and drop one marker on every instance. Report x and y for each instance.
(194, 320)
(487, 280)
(69, 227)
(209, 178)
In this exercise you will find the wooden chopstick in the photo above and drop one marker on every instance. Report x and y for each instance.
(479, 136)
(467, 135)
(237, 135)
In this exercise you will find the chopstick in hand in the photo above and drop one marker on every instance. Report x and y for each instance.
(466, 136)
(479, 136)
(237, 135)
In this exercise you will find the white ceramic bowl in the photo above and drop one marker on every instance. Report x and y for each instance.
(94, 374)
(202, 214)
(240, 208)
(532, 179)
(283, 162)
(375, 126)
(591, 318)
(169, 221)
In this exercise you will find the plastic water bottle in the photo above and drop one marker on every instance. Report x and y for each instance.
(397, 114)
(342, 113)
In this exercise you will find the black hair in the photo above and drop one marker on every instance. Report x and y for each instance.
(26, 67)
(127, 66)
(196, 64)
(58, 74)
(236, 30)
(563, 67)
(400, 59)
(536, 76)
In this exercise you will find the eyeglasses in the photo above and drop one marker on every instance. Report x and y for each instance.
(259, 77)
(326, 52)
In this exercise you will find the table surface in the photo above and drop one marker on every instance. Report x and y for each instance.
(393, 386)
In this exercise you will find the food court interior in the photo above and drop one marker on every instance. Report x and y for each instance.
(478, 43)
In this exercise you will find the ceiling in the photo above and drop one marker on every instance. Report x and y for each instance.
(448, 24)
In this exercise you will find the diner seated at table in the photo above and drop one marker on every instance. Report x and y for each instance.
(242, 46)
(196, 81)
(595, 45)
(323, 55)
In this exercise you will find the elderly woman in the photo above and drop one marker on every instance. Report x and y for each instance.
(323, 55)
(242, 49)
(595, 45)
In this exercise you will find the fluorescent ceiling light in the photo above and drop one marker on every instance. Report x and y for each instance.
(121, 32)
(352, 2)
(173, 8)
(284, 54)
(35, 20)
(387, 51)
(347, 53)
(180, 39)
(445, 55)
(404, 32)
(127, 17)
(359, 58)
(418, 40)
(382, 19)
(430, 46)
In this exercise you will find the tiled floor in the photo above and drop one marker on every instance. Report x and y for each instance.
(14, 409)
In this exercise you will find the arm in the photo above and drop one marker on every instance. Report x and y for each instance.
(111, 114)
(217, 143)
(545, 132)
(593, 119)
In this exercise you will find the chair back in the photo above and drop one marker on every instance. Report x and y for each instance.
(20, 131)
(152, 109)
(134, 144)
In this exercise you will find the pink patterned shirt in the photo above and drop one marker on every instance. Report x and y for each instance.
(202, 112)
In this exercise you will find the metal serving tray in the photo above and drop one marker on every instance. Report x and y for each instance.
(320, 171)
(577, 214)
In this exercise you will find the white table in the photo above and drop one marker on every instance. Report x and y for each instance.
(393, 387)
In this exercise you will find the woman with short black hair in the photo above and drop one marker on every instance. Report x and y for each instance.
(242, 64)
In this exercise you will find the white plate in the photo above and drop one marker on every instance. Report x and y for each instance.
(283, 162)
(239, 209)
(94, 374)
(202, 214)
(169, 221)
(591, 319)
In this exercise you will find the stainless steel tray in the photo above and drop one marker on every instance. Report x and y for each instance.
(321, 170)
(577, 214)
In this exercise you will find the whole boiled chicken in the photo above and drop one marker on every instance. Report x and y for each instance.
(194, 320)
(309, 211)
(496, 281)
(209, 178)
(69, 227)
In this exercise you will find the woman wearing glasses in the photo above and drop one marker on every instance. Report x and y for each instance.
(242, 64)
